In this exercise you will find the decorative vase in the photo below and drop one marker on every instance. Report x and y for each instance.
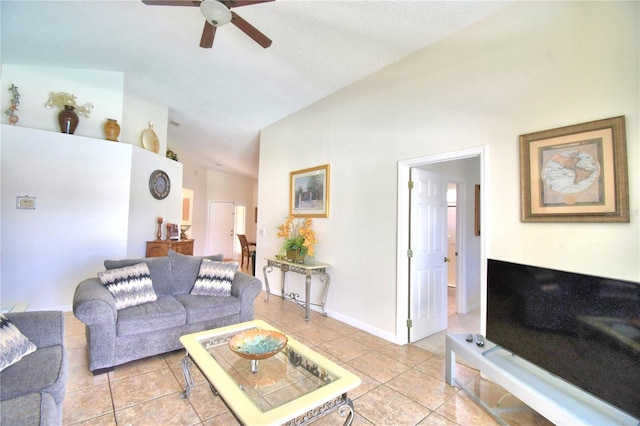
(112, 129)
(296, 256)
(68, 119)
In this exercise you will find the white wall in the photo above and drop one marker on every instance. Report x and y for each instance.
(195, 179)
(535, 66)
(93, 203)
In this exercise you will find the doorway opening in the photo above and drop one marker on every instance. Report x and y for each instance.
(470, 265)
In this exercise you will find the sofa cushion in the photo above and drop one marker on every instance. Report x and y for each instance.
(214, 278)
(13, 344)
(44, 370)
(33, 409)
(159, 268)
(185, 270)
(206, 308)
(164, 313)
(130, 285)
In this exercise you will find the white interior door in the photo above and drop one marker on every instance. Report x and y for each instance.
(428, 265)
(221, 232)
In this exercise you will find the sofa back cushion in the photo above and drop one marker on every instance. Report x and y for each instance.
(159, 269)
(185, 270)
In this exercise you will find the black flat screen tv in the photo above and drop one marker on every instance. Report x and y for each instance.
(581, 328)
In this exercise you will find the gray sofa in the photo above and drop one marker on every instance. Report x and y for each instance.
(115, 337)
(32, 390)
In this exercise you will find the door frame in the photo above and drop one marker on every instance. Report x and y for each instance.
(402, 260)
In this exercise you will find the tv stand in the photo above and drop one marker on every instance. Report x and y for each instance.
(557, 400)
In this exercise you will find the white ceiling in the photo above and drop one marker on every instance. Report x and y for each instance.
(223, 96)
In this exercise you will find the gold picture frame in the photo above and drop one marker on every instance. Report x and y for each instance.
(575, 173)
(309, 192)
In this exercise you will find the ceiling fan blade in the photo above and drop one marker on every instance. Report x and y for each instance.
(208, 33)
(250, 30)
(172, 2)
(238, 3)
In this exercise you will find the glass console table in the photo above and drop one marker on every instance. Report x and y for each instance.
(308, 270)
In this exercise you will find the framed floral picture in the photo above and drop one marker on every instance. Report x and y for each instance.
(575, 173)
(309, 192)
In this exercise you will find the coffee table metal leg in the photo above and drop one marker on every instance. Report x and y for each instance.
(188, 380)
(347, 410)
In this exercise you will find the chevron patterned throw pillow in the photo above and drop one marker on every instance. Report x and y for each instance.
(214, 278)
(13, 344)
(130, 285)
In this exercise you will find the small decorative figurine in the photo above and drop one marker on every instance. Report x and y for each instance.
(159, 234)
(15, 101)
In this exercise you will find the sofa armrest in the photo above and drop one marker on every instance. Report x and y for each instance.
(245, 286)
(93, 303)
(43, 328)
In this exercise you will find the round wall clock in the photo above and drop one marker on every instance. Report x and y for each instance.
(159, 184)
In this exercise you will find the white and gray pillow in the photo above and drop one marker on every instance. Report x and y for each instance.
(130, 285)
(13, 344)
(214, 278)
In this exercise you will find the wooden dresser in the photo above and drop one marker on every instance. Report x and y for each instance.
(161, 248)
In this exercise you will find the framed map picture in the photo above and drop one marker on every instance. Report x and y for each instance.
(576, 173)
(309, 192)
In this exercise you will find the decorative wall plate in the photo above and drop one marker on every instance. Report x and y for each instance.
(150, 140)
(159, 184)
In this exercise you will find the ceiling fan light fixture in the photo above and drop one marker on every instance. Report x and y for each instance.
(215, 13)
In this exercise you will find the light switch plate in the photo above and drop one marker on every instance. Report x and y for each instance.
(26, 202)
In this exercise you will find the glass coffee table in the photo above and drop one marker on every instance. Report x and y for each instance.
(295, 386)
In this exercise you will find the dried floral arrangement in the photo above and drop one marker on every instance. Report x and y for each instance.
(61, 99)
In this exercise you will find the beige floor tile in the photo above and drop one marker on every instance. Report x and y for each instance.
(406, 354)
(369, 340)
(367, 383)
(462, 410)
(422, 388)
(316, 334)
(344, 349)
(225, 419)
(168, 410)
(138, 367)
(434, 366)
(435, 419)
(104, 420)
(74, 341)
(143, 387)
(79, 377)
(78, 357)
(205, 403)
(378, 366)
(385, 406)
(86, 404)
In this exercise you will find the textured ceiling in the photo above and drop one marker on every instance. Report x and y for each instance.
(223, 96)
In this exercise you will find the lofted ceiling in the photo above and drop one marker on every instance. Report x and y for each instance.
(223, 96)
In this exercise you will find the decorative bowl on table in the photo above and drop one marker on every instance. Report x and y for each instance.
(258, 344)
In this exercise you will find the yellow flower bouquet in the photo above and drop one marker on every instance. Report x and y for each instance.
(299, 238)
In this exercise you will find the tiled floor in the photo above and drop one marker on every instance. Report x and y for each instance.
(401, 385)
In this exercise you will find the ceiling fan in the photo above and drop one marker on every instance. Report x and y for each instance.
(217, 13)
